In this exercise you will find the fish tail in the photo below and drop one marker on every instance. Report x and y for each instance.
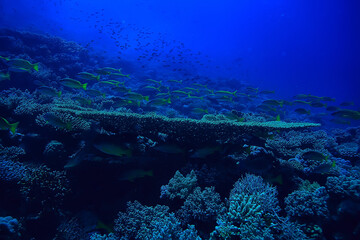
(128, 76)
(98, 77)
(146, 98)
(168, 100)
(84, 86)
(150, 173)
(59, 93)
(36, 66)
(234, 93)
(12, 127)
(5, 58)
(68, 126)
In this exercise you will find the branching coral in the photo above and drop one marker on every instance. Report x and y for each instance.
(344, 186)
(142, 222)
(252, 204)
(290, 144)
(202, 205)
(307, 203)
(179, 186)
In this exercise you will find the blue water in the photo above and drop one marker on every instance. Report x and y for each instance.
(203, 119)
(293, 47)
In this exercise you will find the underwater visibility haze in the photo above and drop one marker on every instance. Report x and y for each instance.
(179, 119)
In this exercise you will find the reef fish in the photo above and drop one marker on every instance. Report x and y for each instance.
(313, 155)
(22, 64)
(56, 121)
(169, 148)
(347, 113)
(88, 76)
(204, 152)
(72, 83)
(113, 149)
(160, 101)
(302, 111)
(132, 175)
(4, 76)
(5, 125)
(136, 96)
(49, 91)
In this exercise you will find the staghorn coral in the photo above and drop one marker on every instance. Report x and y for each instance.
(252, 204)
(254, 185)
(288, 230)
(179, 186)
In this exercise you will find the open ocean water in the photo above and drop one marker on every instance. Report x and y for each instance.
(135, 119)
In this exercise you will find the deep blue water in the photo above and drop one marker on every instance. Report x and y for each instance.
(201, 119)
(293, 47)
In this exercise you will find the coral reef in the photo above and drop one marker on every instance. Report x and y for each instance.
(307, 203)
(179, 186)
(203, 205)
(289, 144)
(252, 204)
(142, 222)
(9, 228)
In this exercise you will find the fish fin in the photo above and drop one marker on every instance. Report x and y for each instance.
(7, 76)
(68, 126)
(12, 127)
(36, 66)
(333, 164)
(5, 58)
